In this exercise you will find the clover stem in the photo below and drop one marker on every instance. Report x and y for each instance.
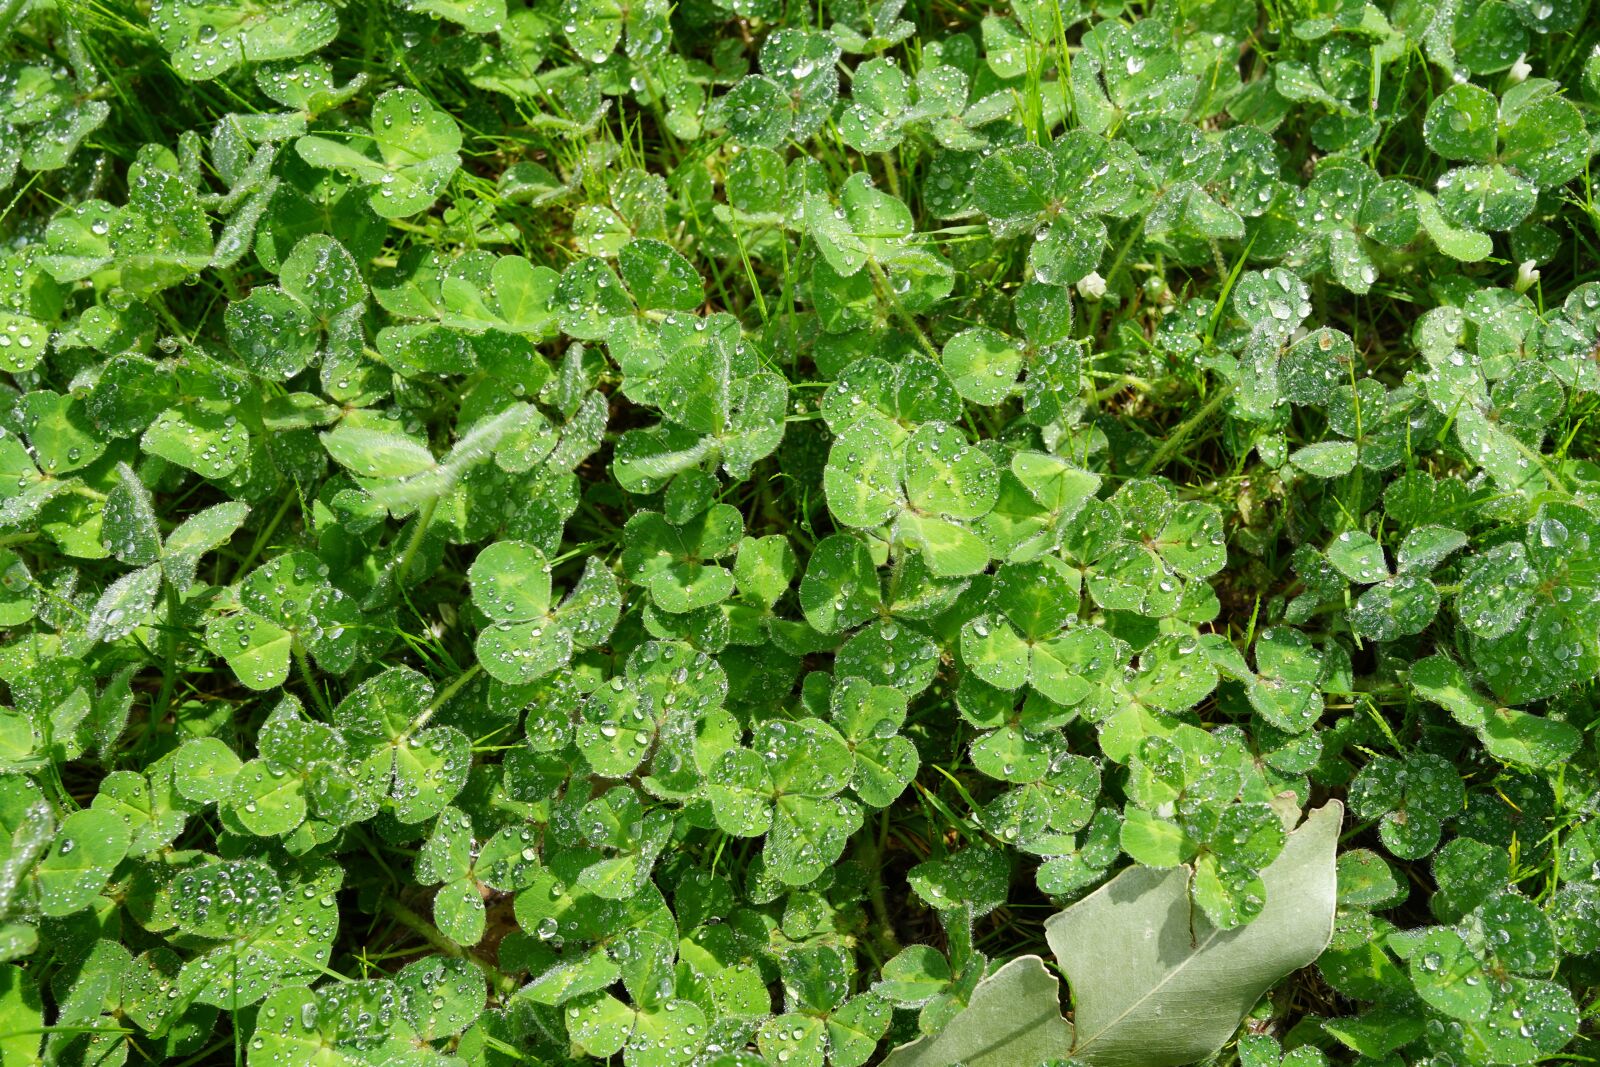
(442, 699)
(750, 276)
(303, 661)
(1134, 231)
(169, 655)
(1119, 383)
(166, 315)
(870, 855)
(600, 519)
(1175, 440)
(888, 293)
(503, 984)
(578, 550)
(891, 175)
(263, 538)
(424, 520)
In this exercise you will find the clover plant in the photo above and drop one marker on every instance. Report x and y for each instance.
(729, 533)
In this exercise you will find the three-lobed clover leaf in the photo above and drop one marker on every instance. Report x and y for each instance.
(1399, 604)
(882, 110)
(528, 635)
(1142, 551)
(1059, 195)
(793, 94)
(669, 700)
(414, 768)
(1530, 605)
(1284, 689)
(162, 235)
(1517, 737)
(278, 330)
(676, 563)
(872, 229)
(148, 803)
(286, 604)
(1472, 975)
(451, 854)
(1346, 215)
(663, 1035)
(631, 840)
(1130, 72)
(46, 116)
(785, 785)
(585, 939)
(207, 39)
(1195, 803)
(869, 718)
(1022, 743)
(406, 159)
(1020, 640)
(928, 484)
(717, 399)
(1412, 797)
(1529, 130)
(302, 769)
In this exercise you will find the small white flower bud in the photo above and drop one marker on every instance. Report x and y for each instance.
(1527, 274)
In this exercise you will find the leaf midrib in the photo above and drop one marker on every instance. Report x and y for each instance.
(1193, 955)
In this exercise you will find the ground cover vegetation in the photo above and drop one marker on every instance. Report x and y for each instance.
(751, 532)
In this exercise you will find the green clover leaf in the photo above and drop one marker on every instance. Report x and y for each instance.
(407, 158)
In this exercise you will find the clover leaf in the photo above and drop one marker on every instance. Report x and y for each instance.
(285, 605)
(1508, 734)
(1413, 797)
(869, 718)
(528, 636)
(785, 785)
(406, 159)
(938, 484)
(470, 568)
(87, 847)
(1535, 595)
(277, 329)
(207, 40)
(416, 768)
(670, 697)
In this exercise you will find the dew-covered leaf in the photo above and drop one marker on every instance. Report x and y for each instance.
(87, 847)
